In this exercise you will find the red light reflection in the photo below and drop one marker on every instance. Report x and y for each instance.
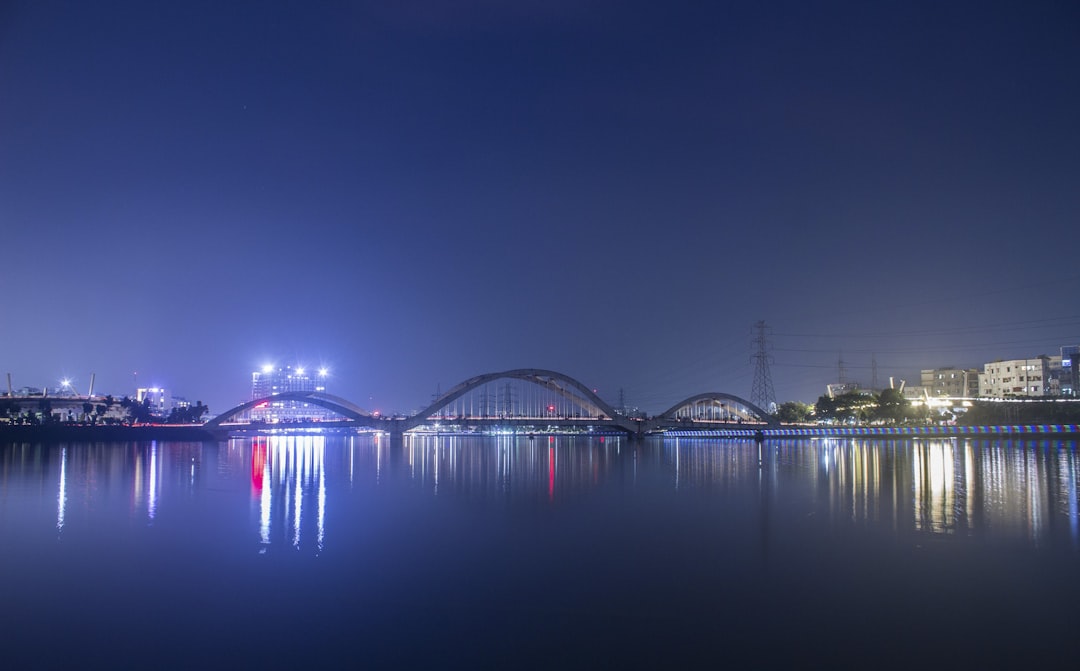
(258, 465)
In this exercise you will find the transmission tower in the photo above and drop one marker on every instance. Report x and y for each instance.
(762, 393)
(508, 401)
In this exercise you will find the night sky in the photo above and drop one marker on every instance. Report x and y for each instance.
(413, 193)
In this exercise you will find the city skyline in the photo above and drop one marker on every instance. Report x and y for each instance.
(413, 193)
(315, 378)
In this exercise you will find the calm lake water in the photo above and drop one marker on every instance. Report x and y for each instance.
(509, 552)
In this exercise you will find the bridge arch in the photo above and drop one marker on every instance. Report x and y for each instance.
(558, 383)
(329, 401)
(725, 401)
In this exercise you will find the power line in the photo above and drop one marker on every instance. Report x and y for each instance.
(916, 350)
(1004, 326)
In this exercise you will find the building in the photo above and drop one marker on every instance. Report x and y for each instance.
(1069, 381)
(1036, 377)
(951, 382)
(161, 401)
(273, 380)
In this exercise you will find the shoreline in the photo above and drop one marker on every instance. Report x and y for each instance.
(198, 433)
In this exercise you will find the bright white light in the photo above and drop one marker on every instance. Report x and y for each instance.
(268, 368)
(299, 370)
(65, 383)
(323, 372)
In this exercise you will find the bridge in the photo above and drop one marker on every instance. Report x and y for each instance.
(528, 399)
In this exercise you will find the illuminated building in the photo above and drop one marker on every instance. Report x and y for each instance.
(1021, 377)
(160, 400)
(273, 380)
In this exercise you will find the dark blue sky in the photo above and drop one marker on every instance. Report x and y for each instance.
(413, 193)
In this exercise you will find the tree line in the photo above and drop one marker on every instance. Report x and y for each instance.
(889, 407)
(886, 407)
(109, 411)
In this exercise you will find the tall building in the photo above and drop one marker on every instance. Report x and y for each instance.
(1021, 377)
(274, 380)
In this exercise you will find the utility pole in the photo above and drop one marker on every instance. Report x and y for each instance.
(762, 393)
(873, 372)
(840, 367)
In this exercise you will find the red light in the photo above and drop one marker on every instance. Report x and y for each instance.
(551, 408)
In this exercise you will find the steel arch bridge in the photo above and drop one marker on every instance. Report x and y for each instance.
(559, 400)
(524, 397)
(343, 407)
(712, 410)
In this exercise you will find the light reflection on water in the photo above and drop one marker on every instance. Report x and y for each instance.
(286, 470)
(603, 546)
(944, 487)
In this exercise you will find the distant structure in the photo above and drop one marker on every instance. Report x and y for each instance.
(761, 394)
(1035, 377)
(161, 402)
(273, 380)
(1070, 371)
(835, 389)
(952, 382)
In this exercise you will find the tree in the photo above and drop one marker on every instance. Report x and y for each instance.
(892, 407)
(137, 412)
(45, 407)
(9, 408)
(192, 414)
(846, 408)
(794, 412)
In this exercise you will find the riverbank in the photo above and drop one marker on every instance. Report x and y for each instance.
(84, 433)
(1009, 431)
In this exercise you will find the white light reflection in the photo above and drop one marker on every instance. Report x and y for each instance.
(152, 495)
(677, 465)
(933, 486)
(1069, 474)
(322, 503)
(298, 497)
(264, 504)
(61, 498)
(286, 471)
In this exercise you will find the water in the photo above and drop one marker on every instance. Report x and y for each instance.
(508, 552)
